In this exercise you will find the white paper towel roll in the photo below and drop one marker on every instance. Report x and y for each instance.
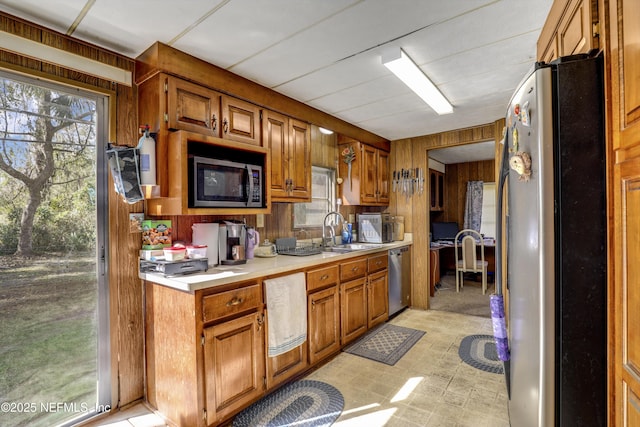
(207, 234)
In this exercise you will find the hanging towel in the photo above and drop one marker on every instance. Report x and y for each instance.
(286, 313)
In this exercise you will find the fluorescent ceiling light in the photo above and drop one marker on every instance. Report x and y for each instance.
(325, 131)
(52, 55)
(402, 66)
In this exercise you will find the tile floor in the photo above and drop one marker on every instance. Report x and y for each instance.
(429, 386)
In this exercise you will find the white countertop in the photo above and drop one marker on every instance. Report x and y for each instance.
(259, 267)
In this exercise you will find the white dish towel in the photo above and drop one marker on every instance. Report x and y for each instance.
(286, 313)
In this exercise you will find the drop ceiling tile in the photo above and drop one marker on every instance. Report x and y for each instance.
(132, 26)
(388, 106)
(336, 77)
(55, 14)
(364, 26)
(256, 25)
(365, 93)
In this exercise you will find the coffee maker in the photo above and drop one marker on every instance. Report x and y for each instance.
(231, 248)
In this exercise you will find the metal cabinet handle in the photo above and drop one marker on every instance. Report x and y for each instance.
(260, 321)
(324, 277)
(225, 125)
(354, 269)
(214, 122)
(235, 301)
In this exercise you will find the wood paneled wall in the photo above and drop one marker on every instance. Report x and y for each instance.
(412, 153)
(455, 187)
(127, 338)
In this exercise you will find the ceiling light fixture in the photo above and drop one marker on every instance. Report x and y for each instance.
(325, 131)
(406, 70)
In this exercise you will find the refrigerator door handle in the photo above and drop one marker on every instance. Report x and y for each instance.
(497, 302)
(502, 178)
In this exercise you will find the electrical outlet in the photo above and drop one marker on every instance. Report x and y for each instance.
(259, 220)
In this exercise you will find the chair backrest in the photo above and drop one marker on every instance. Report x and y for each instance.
(467, 240)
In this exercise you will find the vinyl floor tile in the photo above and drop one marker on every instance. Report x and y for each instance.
(429, 387)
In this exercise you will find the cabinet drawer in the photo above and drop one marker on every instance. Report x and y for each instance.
(226, 303)
(322, 277)
(353, 269)
(378, 262)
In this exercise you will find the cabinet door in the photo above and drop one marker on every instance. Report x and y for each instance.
(353, 305)
(299, 160)
(275, 134)
(383, 177)
(436, 190)
(284, 366)
(369, 178)
(377, 298)
(324, 323)
(240, 121)
(192, 107)
(234, 364)
(551, 51)
(624, 304)
(575, 32)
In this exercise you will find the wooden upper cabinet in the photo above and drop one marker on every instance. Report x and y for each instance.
(276, 138)
(240, 121)
(368, 181)
(300, 159)
(196, 108)
(383, 167)
(289, 141)
(571, 28)
(191, 107)
(436, 190)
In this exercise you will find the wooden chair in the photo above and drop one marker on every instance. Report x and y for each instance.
(467, 260)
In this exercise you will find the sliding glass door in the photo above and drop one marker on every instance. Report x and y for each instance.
(54, 340)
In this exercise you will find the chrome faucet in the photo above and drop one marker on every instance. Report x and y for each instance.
(332, 232)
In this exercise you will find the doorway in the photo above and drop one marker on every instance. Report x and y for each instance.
(54, 343)
(458, 166)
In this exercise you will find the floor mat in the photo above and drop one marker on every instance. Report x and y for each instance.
(480, 352)
(304, 403)
(386, 343)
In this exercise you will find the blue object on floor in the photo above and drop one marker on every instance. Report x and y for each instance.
(304, 403)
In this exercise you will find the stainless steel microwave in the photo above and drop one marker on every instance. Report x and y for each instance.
(216, 183)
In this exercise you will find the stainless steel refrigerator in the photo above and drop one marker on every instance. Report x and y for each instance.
(554, 166)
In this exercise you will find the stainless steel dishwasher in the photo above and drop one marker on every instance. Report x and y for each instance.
(399, 279)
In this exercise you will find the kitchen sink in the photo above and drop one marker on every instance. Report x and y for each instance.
(351, 247)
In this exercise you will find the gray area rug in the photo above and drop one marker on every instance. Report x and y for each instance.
(304, 403)
(480, 352)
(386, 343)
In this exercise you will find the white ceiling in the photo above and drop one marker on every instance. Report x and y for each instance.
(326, 53)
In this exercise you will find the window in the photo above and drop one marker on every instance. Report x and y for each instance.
(488, 225)
(323, 198)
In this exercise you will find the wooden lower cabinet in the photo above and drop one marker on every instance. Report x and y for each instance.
(377, 298)
(323, 323)
(353, 305)
(206, 357)
(234, 365)
(284, 366)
